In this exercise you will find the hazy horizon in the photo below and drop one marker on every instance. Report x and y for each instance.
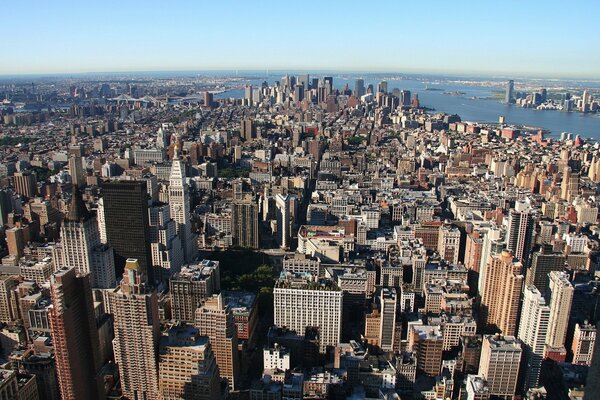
(469, 38)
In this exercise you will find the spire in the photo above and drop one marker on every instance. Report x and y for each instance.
(78, 212)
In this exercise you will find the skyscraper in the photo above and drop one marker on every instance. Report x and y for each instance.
(282, 202)
(501, 292)
(389, 303)
(127, 224)
(359, 88)
(520, 231)
(187, 367)
(320, 304)
(561, 297)
(81, 246)
(191, 286)
(584, 340)
(134, 307)
(215, 320)
(533, 329)
(542, 263)
(179, 202)
(499, 365)
(244, 220)
(510, 87)
(76, 171)
(75, 337)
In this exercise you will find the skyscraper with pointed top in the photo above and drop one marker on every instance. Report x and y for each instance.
(179, 203)
(81, 245)
(134, 307)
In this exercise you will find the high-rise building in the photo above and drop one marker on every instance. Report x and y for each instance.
(179, 202)
(359, 88)
(499, 365)
(76, 171)
(561, 298)
(569, 187)
(500, 298)
(533, 329)
(328, 82)
(191, 286)
(300, 302)
(382, 87)
(127, 224)
(282, 203)
(388, 300)
(9, 310)
(74, 336)
(510, 87)
(26, 183)
(134, 307)
(244, 220)
(427, 342)
(519, 238)
(449, 243)
(584, 340)
(248, 129)
(543, 262)
(304, 81)
(215, 320)
(165, 243)
(187, 367)
(81, 246)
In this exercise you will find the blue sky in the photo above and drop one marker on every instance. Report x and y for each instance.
(538, 38)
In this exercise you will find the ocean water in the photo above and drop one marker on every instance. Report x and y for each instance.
(477, 104)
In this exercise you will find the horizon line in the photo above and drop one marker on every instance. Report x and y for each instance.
(269, 72)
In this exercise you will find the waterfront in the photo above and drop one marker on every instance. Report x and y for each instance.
(476, 104)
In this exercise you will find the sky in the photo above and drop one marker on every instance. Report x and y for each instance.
(497, 38)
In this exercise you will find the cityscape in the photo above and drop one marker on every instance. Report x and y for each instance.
(276, 232)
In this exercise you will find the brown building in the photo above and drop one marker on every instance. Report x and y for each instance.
(137, 331)
(499, 365)
(189, 287)
(501, 292)
(429, 233)
(187, 366)
(75, 336)
(215, 320)
(26, 183)
(427, 342)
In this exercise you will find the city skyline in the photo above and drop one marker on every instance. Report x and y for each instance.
(235, 36)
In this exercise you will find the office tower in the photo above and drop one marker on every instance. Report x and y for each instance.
(74, 336)
(165, 243)
(248, 94)
(16, 239)
(328, 81)
(76, 171)
(8, 299)
(543, 262)
(215, 320)
(382, 87)
(359, 88)
(244, 220)
(419, 262)
(187, 367)
(569, 186)
(298, 93)
(427, 342)
(26, 183)
(248, 129)
(405, 98)
(510, 87)
(81, 246)
(449, 243)
(533, 329)
(304, 81)
(134, 306)
(101, 221)
(179, 202)
(282, 203)
(300, 302)
(499, 365)
(388, 300)
(191, 286)
(127, 225)
(519, 234)
(208, 99)
(561, 298)
(501, 293)
(584, 340)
